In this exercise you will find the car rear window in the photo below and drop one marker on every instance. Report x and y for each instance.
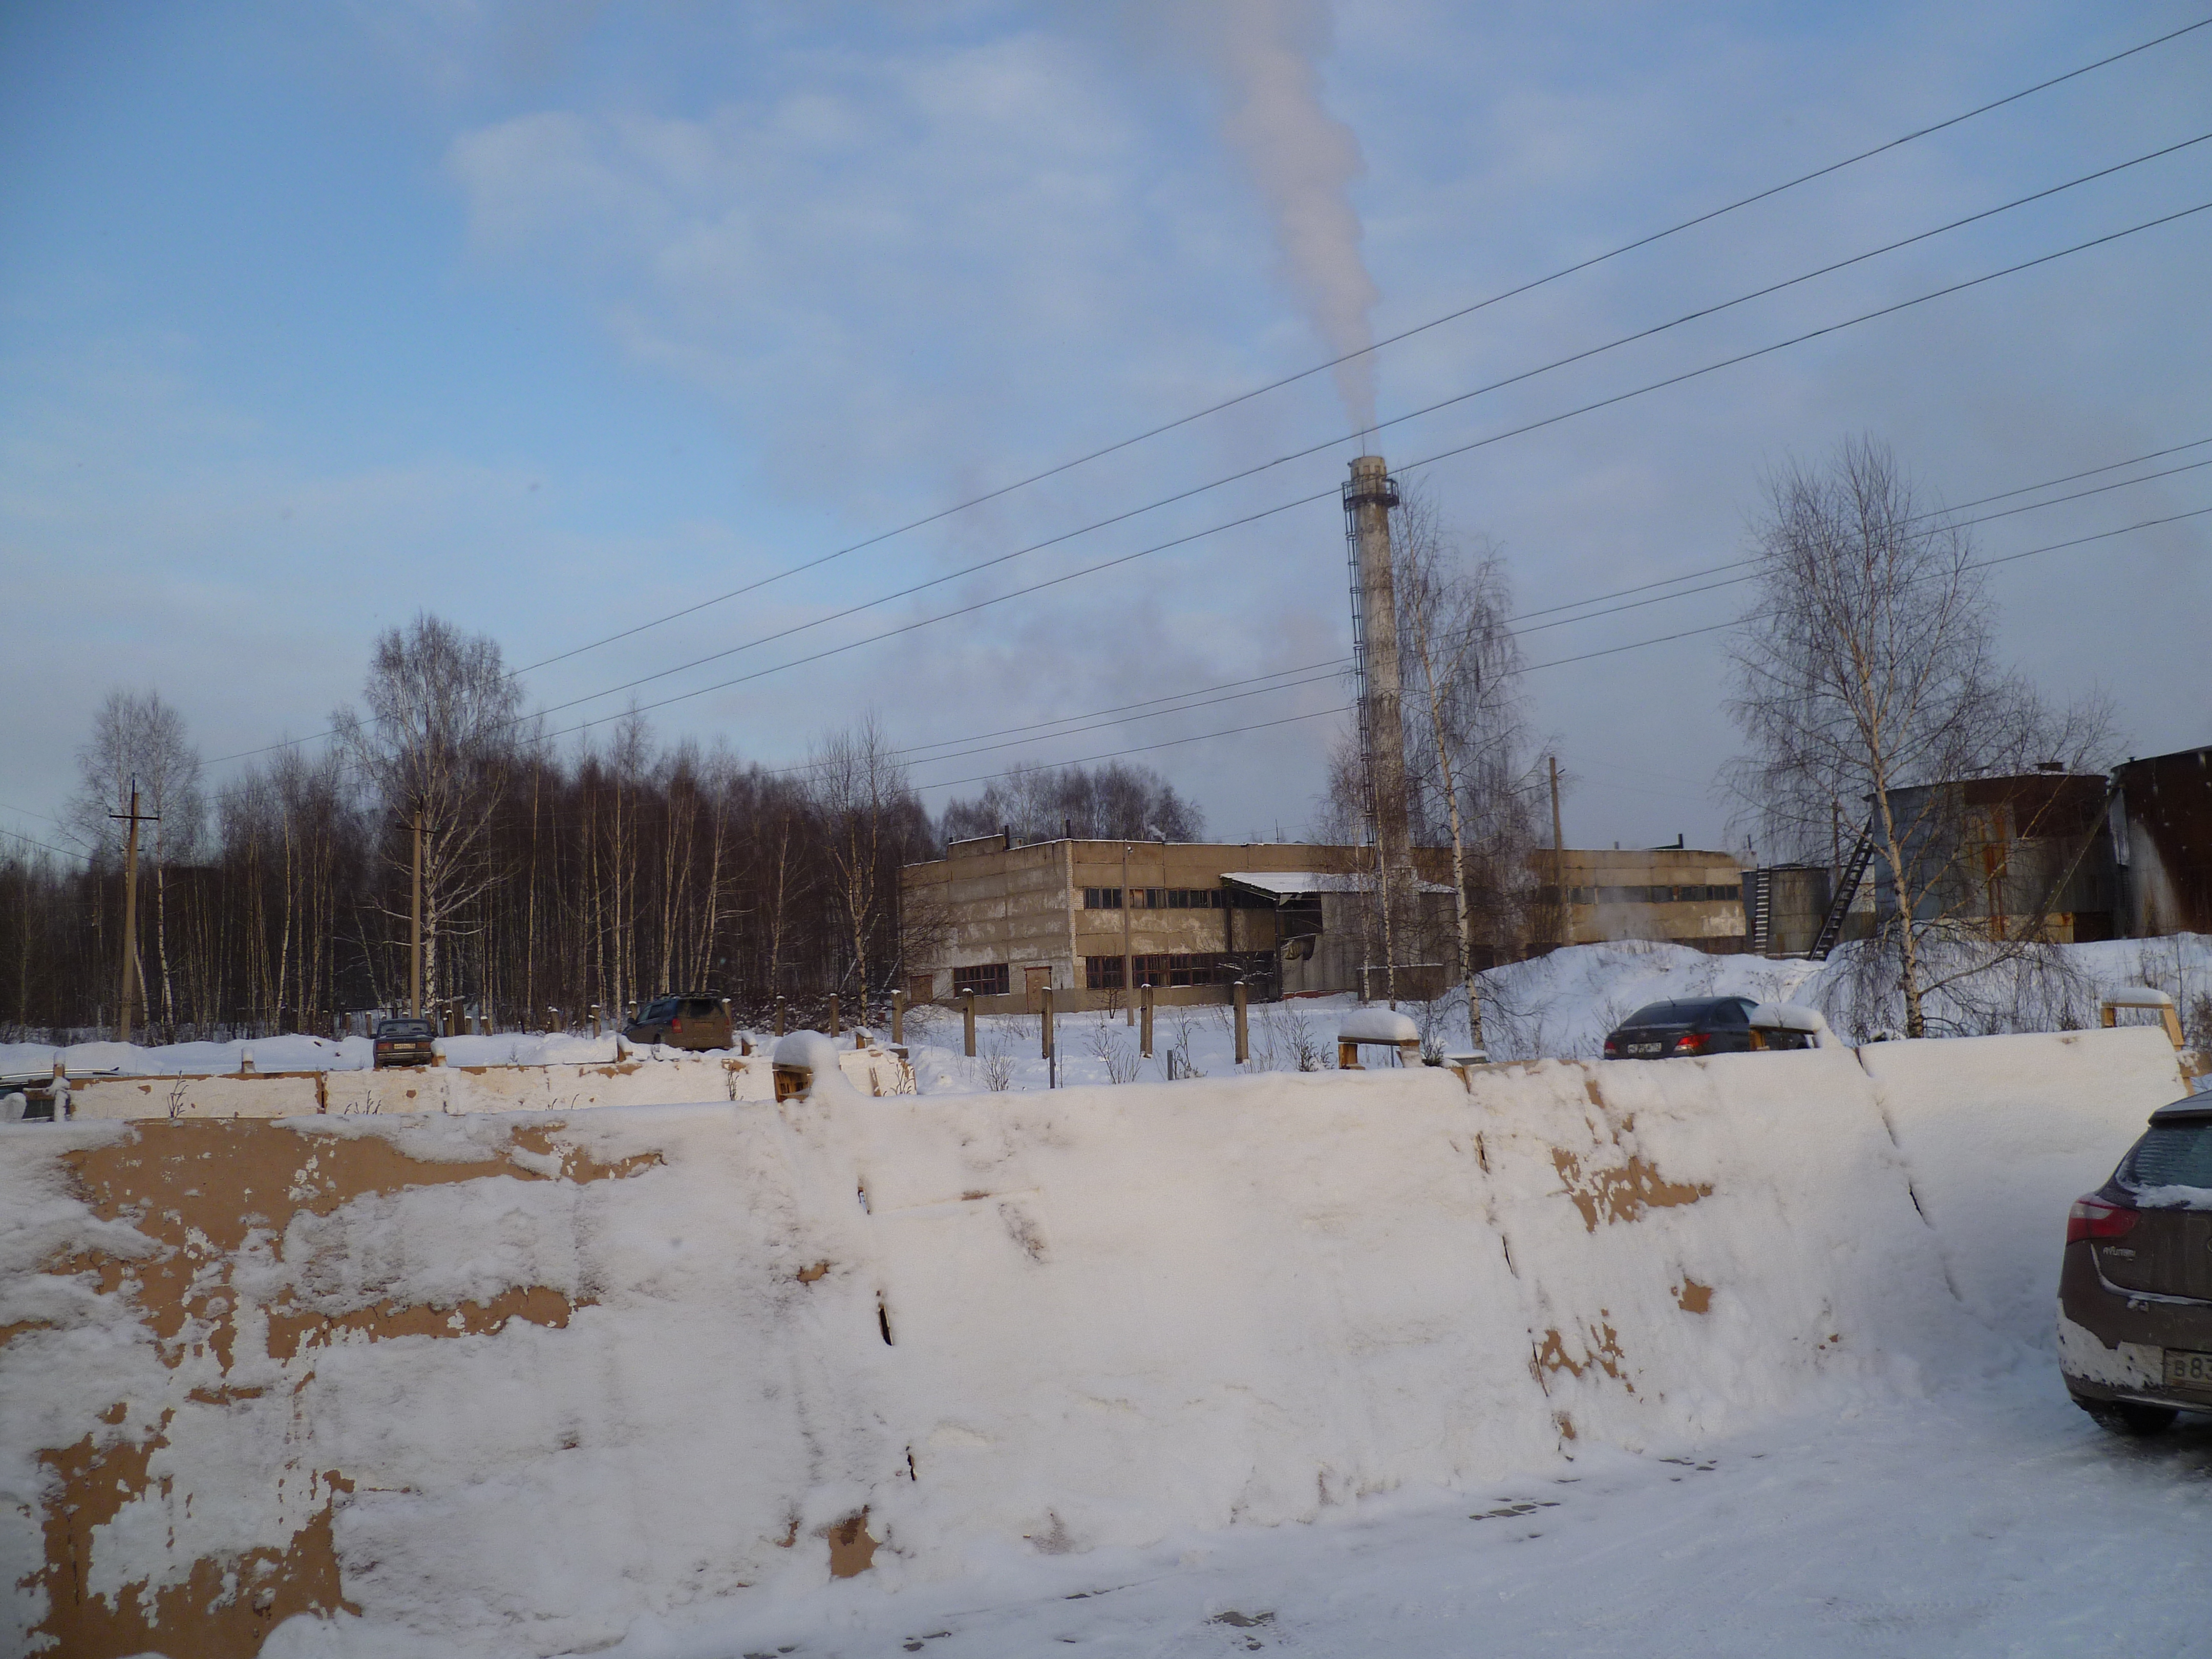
(404, 1028)
(1727, 1010)
(699, 1008)
(2171, 1154)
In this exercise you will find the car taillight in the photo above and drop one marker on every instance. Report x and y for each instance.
(1691, 1042)
(675, 1025)
(1611, 1050)
(2098, 1218)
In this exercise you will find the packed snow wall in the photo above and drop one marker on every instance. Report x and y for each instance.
(512, 1383)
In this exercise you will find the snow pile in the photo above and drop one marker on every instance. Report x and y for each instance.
(586, 1375)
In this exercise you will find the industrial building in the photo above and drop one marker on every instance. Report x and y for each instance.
(1683, 895)
(1093, 919)
(2161, 843)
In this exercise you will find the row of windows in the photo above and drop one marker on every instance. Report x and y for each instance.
(1642, 894)
(987, 979)
(1156, 898)
(1178, 968)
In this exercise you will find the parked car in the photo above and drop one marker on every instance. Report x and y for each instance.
(1666, 1030)
(2134, 1292)
(402, 1042)
(693, 1021)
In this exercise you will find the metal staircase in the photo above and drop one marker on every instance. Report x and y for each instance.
(1839, 906)
(1762, 911)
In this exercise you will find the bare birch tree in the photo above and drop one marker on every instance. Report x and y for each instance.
(861, 795)
(440, 730)
(1865, 671)
(1466, 726)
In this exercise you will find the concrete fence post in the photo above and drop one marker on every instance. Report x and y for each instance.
(595, 1020)
(967, 1022)
(834, 1028)
(1243, 1029)
(779, 1016)
(898, 1018)
(1044, 1010)
(1145, 1023)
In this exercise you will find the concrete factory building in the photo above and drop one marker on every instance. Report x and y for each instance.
(1090, 919)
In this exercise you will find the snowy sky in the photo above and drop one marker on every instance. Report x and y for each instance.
(554, 319)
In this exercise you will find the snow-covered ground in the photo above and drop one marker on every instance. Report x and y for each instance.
(1990, 1520)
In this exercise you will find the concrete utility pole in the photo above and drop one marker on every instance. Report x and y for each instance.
(415, 927)
(131, 911)
(1129, 958)
(1559, 861)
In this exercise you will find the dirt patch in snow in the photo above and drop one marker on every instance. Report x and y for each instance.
(1621, 1194)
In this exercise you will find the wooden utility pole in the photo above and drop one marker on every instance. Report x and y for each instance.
(131, 911)
(415, 928)
(1559, 861)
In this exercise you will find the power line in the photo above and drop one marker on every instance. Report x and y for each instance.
(1737, 564)
(1402, 335)
(1332, 442)
(1330, 494)
(1990, 518)
(57, 852)
(1299, 454)
(1559, 662)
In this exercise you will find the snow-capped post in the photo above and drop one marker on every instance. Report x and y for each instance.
(1144, 1029)
(835, 1029)
(245, 1062)
(1380, 1028)
(1243, 1030)
(595, 1020)
(968, 1020)
(898, 1018)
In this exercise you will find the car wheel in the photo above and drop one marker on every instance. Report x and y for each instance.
(2129, 1416)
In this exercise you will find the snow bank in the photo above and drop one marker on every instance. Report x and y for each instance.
(516, 1384)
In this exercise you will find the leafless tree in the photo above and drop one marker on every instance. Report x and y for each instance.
(1115, 802)
(1865, 670)
(137, 736)
(1466, 726)
(861, 796)
(441, 731)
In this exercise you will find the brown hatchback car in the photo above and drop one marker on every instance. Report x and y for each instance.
(2135, 1295)
(687, 1021)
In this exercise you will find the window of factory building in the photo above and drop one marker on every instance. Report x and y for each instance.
(1642, 894)
(1101, 898)
(985, 979)
(1199, 967)
(1177, 898)
(1102, 973)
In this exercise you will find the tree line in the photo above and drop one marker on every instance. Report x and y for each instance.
(552, 880)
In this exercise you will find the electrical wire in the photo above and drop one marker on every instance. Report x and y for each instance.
(1198, 489)
(1580, 265)
(1332, 442)
(1330, 494)
(1559, 662)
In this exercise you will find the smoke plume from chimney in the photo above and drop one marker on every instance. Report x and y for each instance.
(1303, 161)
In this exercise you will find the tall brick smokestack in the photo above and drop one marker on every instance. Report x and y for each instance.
(1368, 498)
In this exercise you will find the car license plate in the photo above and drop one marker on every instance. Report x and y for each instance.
(1644, 1048)
(2189, 1370)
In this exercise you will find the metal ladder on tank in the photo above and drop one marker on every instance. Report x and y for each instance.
(1839, 906)
(1762, 911)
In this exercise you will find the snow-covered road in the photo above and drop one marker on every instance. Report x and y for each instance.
(1996, 1520)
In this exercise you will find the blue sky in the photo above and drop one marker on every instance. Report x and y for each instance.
(553, 319)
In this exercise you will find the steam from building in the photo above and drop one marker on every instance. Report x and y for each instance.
(1303, 161)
